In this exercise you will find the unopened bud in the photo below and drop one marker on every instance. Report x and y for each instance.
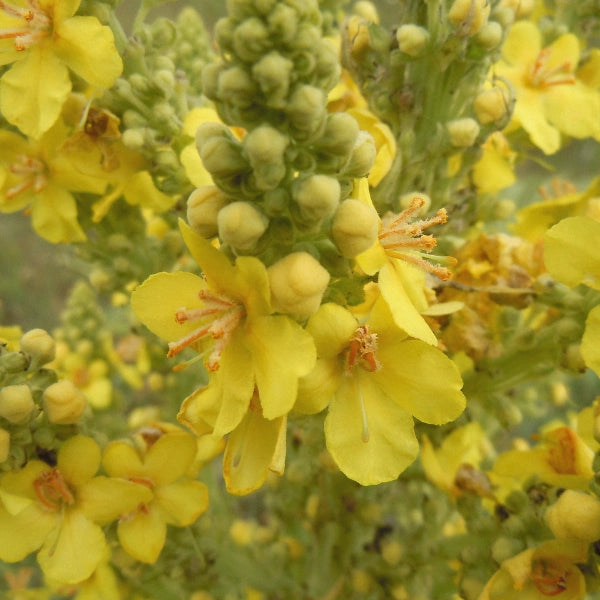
(340, 134)
(16, 403)
(241, 225)
(366, 10)
(355, 227)
(490, 35)
(265, 145)
(306, 108)
(318, 196)
(222, 157)
(412, 39)
(4, 445)
(362, 158)
(39, 344)
(203, 207)
(64, 403)
(251, 39)
(575, 515)
(463, 132)
(469, 16)
(298, 282)
(236, 87)
(491, 105)
(272, 72)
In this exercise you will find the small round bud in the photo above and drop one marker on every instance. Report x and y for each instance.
(236, 87)
(318, 196)
(16, 403)
(355, 227)
(463, 132)
(251, 39)
(134, 139)
(298, 282)
(490, 35)
(203, 207)
(306, 108)
(265, 145)
(363, 156)
(575, 515)
(366, 10)
(222, 157)
(64, 403)
(283, 22)
(412, 39)
(241, 225)
(39, 344)
(4, 444)
(469, 16)
(272, 73)
(341, 132)
(491, 105)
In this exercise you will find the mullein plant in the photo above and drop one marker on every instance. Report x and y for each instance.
(268, 383)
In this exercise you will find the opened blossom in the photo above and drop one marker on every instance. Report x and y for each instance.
(60, 510)
(374, 380)
(44, 39)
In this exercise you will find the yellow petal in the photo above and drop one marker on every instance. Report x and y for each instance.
(590, 343)
(78, 460)
(88, 48)
(529, 112)
(24, 532)
(183, 501)
(54, 216)
(331, 327)
(249, 453)
(170, 457)
(72, 552)
(121, 459)
(523, 43)
(140, 190)
(318, 387)
(143, 536)
(33, 91)
(369, 436)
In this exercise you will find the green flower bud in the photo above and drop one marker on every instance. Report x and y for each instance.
(355, 227)
(39, 344)
(318, 196)
(306, 108)
(298, 282)
(327, 68)
(366, 10)
(283, 23)
(165, 80)
(469, 16)
(203, 206)
(265, 7)
(64, 403)
(265, 145)
(4, 445)
(272, 73)
(491, 105)
(236, 87)
(211, 129)
(241, 225)
(251, 39)
(362, 158)
(575, 515)
(490, 35)
(13, 362)
(412, 39)
(134, 139)
(340, 134)
(463, 132)
(210, 79)
(16, 403)
(222, 157)
(224, 30)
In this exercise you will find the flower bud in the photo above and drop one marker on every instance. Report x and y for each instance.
(283, 23)
(341, 132)
(222, 157)
(575, 515)
(265, 145)
(251, 39)
(16, 403)
(318, 196)
(463, 132)
(491, 105)
(355, 227)
(366, 10)
(236, 87)
(241, 225)
(203, 206)
(412, 39)
(39, 345)
(469, 16)
(490, 35)
(4, 444)
(363, 156)
(306, 108)
(298, 282)
(64, 403)
(272, 73)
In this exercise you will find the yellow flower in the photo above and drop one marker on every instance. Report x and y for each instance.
(375, 380)
(550, 98)
(38, 175)
(572, 257)
(44, 40)
(160, 466)
(60, 510)
(494, 171)
(550, 570)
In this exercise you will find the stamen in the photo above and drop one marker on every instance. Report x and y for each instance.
(223, 315)
(32, 173)
(365, 435)
(542, 77)
(37, 24)
(401, 238)
(362, 346)
(52, 490)
(549, 579)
